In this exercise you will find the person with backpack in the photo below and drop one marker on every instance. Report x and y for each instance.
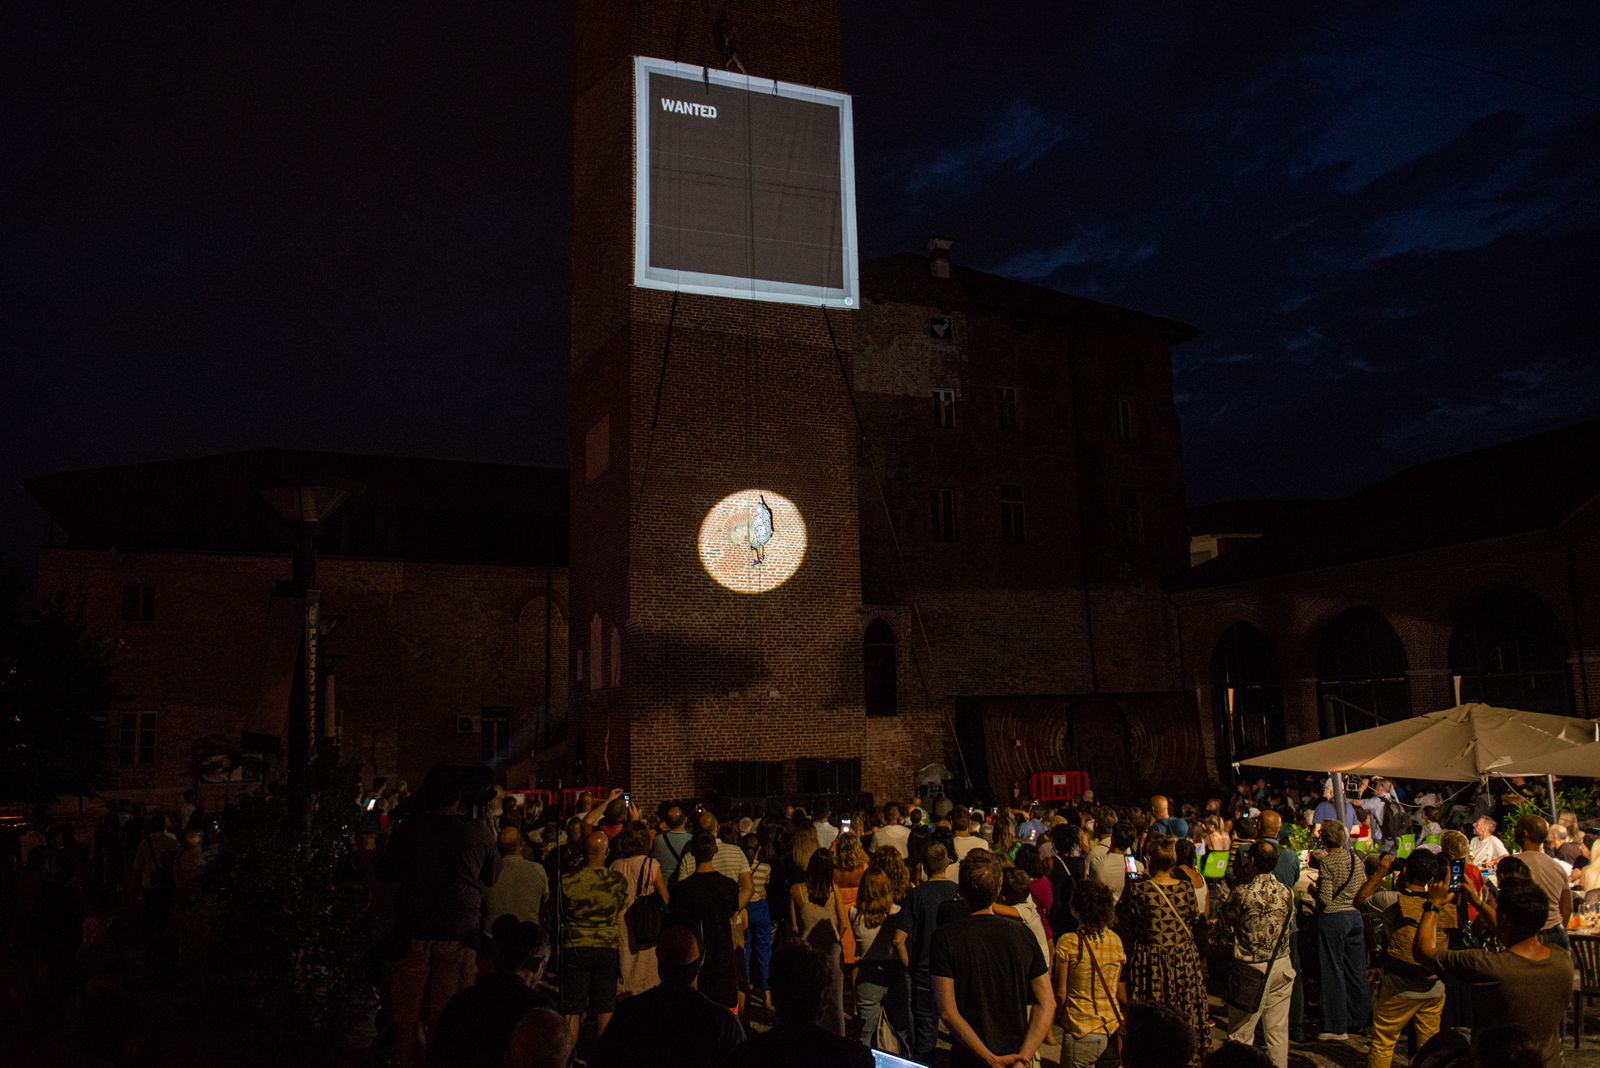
(1409, 992)
(671, 841)
(1390, 819)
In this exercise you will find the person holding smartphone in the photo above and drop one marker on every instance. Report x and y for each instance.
(1118, 862)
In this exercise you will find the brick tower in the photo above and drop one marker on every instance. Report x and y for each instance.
(678, 401)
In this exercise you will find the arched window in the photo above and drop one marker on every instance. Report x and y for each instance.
(1361, 673)
(1247, 693)
(879, 669)
(1507, 649)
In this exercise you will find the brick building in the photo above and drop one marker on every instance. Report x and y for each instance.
(1475, 578)
(1021, 504)
(443, 607)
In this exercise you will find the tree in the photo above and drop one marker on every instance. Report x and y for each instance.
(56, 688)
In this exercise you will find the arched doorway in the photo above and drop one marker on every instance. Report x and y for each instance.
(1507, 649)
(1361, 673)
(1246, 694)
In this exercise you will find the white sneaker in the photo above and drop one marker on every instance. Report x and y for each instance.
(1328, 1036)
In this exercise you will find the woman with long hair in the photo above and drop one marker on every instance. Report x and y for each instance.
(1040, 888)
(803, 843)
(888, 858)
(636, 963)
(850, 864)
(1005, 837)
(758, 913)
(873, 922)
(817, 918)
(1159, 914)
(1088, 972)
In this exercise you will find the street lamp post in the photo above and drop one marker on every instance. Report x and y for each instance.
(304, 508)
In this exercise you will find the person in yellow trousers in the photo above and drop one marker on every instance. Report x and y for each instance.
(1410, 993)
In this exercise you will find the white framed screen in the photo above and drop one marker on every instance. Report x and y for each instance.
(743, 187)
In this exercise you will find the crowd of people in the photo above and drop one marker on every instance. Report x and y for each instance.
(703, 933)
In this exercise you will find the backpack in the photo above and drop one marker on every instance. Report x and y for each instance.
(1396, 820)
(644, 917)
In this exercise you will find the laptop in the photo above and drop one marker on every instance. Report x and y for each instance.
(1216, 864)
(881, 1059)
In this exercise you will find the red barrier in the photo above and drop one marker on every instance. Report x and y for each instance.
(1058, 785)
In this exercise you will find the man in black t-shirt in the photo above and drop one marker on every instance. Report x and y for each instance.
(986, 970)
(705, 902)
(919, 919)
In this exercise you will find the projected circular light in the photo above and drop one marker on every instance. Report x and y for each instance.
(752, 541)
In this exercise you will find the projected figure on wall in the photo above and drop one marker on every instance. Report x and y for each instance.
(752, 541)
(760, 531)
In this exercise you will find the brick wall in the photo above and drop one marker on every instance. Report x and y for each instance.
(418, 644)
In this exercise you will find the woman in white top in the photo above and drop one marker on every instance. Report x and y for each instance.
(636, 963)
(873, 920)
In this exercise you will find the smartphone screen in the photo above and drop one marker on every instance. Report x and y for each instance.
(1131, 865)
(372, 803)
(1457, 870)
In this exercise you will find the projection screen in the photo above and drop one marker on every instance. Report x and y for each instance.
(743, 187)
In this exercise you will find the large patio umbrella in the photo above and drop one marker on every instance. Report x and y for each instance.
(1580, 760)
(1459, 744)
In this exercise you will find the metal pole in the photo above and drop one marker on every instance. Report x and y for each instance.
(1340, 805)
(1550, 785)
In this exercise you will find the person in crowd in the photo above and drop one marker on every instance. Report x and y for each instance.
(1155, 1036)
(1163, 822)
(636, 962)
(1160, 915)
(671, 842)
(986, 971)
(1066, 837)
(1486, 847)
(802, 993)
(849, 865)
(1527, 985)
(1217, 838)
(729, 860)
(1003, 841)
(759, 919)
(1016, 893)
(961, 822)
(522, 887)
(591, 904)
(914, 936)
(1111, 869)
(802, 845)
(1325, 809)
(816, 917)
(474, 1030)
(822, 823)
(673, 1023)
(540, 1040)
(706, 902)
(444, 862)
(1341, 936)
(1409, 992)
(874, 919)
(1088, 970)
(608, 816)
(1188, 868)
(894, 867)
(894, 832)
(1548, 875)
(1259, 912)
(1040, 888)
(1377, 796)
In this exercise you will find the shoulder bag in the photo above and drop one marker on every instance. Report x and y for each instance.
(644, 917)
(1246, 985)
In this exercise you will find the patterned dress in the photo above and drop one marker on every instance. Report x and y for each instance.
(1163, 963)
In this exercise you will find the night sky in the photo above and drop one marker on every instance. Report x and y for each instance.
(224, 227)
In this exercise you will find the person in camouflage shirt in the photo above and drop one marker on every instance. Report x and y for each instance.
(592, 899)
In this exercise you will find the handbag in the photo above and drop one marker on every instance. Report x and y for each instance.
(1246, 986)
(644, 917)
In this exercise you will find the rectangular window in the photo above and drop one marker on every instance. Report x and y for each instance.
(743, 778)
(942, 514)
(944, 409)
(1005, 399)
(828, 776)
(139, 603)
(496, 723)
(1127, 419)
(136, 740)
(1013, 518)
